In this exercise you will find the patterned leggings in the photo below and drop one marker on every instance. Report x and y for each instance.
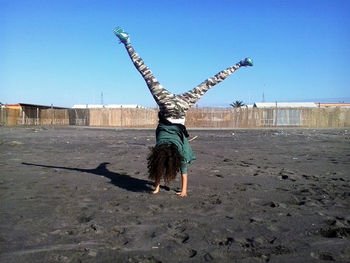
(171, 105)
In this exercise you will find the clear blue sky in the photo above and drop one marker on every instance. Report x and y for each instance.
(65, 53)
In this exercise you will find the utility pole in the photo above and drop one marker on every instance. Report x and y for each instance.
(102, 98)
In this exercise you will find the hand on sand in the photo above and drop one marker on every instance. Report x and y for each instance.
(181, 194)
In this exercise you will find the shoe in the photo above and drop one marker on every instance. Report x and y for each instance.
(123, 36)
(246, 62)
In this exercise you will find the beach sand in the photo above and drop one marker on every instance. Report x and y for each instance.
(75, 194)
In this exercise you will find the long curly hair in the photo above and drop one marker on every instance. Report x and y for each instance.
(164, 161)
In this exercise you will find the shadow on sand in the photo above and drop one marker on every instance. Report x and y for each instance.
(121, 180)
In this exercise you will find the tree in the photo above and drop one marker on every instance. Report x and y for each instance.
(237, 104)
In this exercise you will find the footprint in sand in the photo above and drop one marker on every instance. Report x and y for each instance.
(181, 237)
(256, 220)
(249, 243)
(264, 203)
(155, 209)
(244, 164)
(136, 259)
(177, 230)
(84, 218)
(322, 256)
(192, 253)
(227, 242)
(335, 232)
(286, 174)
(263, 248)
(208, 257)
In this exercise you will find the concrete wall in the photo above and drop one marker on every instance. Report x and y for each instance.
(196, 118)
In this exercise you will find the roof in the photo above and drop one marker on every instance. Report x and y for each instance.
(110, 106)
(327, 105)
(285, 105)
(123, 106)
(19, 105)
(87, 106)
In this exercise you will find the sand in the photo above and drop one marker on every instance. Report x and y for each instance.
(71, 194)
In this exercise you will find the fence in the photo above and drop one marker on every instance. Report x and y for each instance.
(142, 118)
(196, 118)
(268, 117)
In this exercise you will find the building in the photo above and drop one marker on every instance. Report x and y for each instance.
(24, 113)
(284, 105)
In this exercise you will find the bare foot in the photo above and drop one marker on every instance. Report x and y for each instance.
(156, 191)
(181, 194)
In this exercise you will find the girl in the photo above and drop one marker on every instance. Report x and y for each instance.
(172, 152)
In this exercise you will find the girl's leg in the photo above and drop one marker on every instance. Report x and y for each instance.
(160, 94)
(183, 192)
(192, 96)
(157, 90)
(163, 97)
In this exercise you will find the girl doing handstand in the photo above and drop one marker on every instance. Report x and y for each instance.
(172, 152)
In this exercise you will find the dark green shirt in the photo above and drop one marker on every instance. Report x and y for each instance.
(167, 134)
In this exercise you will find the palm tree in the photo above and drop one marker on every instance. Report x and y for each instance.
(237, 104)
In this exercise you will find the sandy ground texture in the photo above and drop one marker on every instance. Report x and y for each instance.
(74, 194)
